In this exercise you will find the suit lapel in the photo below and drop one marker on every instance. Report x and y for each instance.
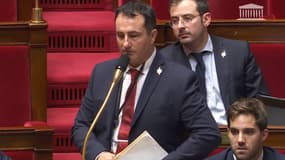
(268, 154)
(113, 107)
(149, 86)
(229, 155)
(221, 60)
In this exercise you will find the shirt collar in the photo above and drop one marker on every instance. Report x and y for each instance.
(208, 47)
(144, 68)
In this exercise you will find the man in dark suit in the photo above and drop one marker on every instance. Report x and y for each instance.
(247, 130)
(4, 157)
(167, 105)
(230, 68)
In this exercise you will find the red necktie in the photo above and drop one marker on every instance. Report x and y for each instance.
(128, 111)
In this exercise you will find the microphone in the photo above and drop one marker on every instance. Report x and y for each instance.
(119, 70)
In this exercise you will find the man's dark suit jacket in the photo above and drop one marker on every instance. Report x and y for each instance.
(238, 74)
(169, 108)
(268, 154)
(4, 157)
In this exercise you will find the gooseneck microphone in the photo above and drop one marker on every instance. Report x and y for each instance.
(119, 70)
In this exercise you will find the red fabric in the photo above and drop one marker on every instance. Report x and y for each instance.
(14, 85)
(161, 9)
(68, 5)
(216, 151)
(35, 124)
(66, 156)
(20, 155)
(277, 9)
(65, 94)
(62, 124)
(8, 10)
(128, 111)
(80, 20)
(61, 118)
(270, 58)
(282, 151)
(227, 9)
(74, 67)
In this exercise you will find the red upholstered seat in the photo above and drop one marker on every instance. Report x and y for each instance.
(8, 10)
(270, 58)
(20, 155)
(81, 31)
(79, 20)
(80, 35)
(69, 156)
(74, 67)
(68, 75)
(15, 96)
(72, 5)
(14, 86)
(161, 9)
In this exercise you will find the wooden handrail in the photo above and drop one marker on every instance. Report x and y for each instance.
(266, 31)
(272, 101)
(38, 140)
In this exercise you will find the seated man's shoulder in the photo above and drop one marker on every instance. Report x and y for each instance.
(271, 153)
(228, 41)
(171, 49)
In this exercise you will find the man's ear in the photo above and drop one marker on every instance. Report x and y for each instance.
(206, 19)
(265, 134)
(154, 34)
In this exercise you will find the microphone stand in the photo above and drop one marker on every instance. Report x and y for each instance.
(117, 76)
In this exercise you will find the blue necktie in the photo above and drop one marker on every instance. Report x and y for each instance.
(200, 70)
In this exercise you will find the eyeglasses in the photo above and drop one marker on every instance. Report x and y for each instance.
(185, 19)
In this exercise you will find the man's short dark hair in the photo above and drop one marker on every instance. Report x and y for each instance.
(133, 8)
(249, 106)
(202, 5)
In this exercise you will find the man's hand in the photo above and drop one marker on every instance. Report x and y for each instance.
(106, 156)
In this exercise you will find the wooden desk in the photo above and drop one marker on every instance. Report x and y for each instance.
(38, 140)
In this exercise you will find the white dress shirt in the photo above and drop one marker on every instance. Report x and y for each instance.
(126, 83)
(214, 98)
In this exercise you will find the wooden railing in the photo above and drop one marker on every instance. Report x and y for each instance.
(37, 140)
(262, 31)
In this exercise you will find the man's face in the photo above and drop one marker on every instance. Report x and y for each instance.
(187, 24)
(245, 137)
(133, 38)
